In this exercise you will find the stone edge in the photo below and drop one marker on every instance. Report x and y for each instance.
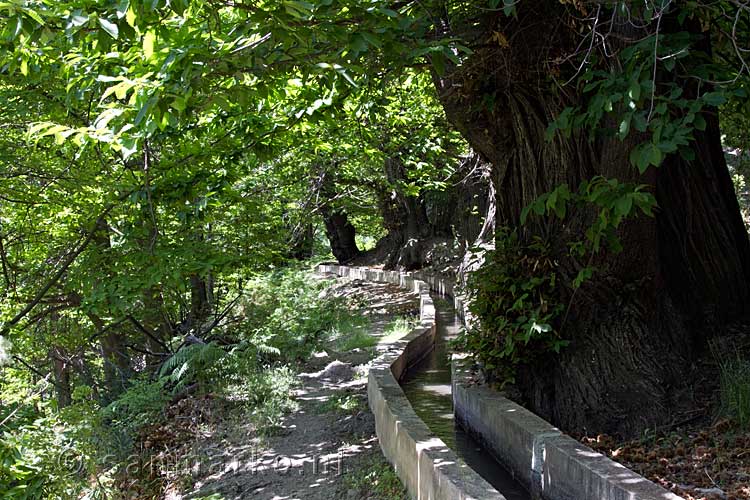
(426, 466)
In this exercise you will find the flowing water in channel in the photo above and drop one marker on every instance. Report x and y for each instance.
(428, 388)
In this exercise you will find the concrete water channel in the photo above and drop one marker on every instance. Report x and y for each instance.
(427, 386)
(553, 465)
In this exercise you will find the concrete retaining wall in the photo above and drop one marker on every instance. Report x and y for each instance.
(427, 467)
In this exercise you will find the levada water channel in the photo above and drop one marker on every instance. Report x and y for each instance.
(428, 387)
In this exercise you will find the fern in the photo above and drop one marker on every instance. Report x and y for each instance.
(192, 363)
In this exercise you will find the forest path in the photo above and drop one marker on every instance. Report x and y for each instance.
(325, 448)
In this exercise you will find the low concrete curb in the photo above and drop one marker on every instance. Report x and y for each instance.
(428, 468)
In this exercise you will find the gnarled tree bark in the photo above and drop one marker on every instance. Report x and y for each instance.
(649, 310)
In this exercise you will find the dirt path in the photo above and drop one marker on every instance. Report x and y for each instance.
(325, 449)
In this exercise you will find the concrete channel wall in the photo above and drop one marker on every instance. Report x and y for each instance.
(550, 464)
(427, 467)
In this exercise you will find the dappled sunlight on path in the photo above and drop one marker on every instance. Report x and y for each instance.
(328, 440)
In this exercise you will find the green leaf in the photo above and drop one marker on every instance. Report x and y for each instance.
(148, 44)
(640, 158)
(145, 110)
(298, 9)
(639, 122)
(372, 40)
(341, 71)
(179, 6)
(110, 27)
(656, 155)
(388, 12)
(358, 44)
(122, 8)
(34, 15)
(525, 214)
(130, 17)
(583, 275)
(635, 91)
(624, 127)
(179, 104)
(714, 98)
(77, 20)
(128, 147)
(699, 122)
(438, 62)
(623, 205)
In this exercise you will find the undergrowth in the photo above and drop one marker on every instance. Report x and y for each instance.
(734, 384)
(349, 404)
(513, 296)
(399, 327)
(252, 360)
(351, 332)
(378, 480)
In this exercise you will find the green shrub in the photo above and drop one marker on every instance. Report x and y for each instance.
(20, 477)
(348, 404)
(43, 460)
(44, 452)
(141, 404)
(513, 297)
(268, 394)
(399, 327)
(195, 363)
(287, 317)
(356, 339)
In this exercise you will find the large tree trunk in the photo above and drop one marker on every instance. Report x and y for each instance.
(405, 218)
(115, 358)
(426, 228)
(473, 199)
(635, 328)
(474, 223)
(340, 232)
(413, 222)
(61, 373)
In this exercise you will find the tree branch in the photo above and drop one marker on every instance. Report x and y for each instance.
(67, 262)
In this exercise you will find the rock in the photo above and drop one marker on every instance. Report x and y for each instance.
(711, 491)
(335, 371)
